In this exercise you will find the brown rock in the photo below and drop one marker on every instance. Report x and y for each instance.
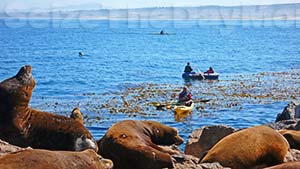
(203, 139)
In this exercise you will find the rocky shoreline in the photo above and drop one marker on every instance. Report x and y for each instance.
(199, 142)
(131, 143)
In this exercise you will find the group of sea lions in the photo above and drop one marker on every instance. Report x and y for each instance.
(63, 142)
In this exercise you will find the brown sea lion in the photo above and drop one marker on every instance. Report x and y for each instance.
(293, 137)
(134, 145)
(22, 126)
(45, 159)
(77, 115)
(248, 148)
(289, 165)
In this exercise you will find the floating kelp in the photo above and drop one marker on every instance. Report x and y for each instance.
(143, 99)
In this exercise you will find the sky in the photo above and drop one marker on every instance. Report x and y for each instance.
(25, 5)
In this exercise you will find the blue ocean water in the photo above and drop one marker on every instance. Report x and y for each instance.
(122, 53)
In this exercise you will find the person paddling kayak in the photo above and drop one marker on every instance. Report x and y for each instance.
(185, 97)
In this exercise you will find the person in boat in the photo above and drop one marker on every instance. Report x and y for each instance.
(188, 68)
(185, 97)
(162, 32)
(210, 71)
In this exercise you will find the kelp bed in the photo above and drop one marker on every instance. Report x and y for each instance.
(230, 92)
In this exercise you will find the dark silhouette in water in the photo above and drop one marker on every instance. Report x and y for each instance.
(81, 54)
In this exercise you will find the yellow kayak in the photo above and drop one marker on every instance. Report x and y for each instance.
(182, 110)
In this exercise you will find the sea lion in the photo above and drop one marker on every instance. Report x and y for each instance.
(134, 144)
(289, 165)
(248, 148)
(45, 159)
(81, 54)
(22, 126)
(293, 137)
(77, 115)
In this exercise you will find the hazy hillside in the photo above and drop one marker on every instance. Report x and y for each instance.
(281, 11)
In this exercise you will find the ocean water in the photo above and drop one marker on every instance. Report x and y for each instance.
(122, 54)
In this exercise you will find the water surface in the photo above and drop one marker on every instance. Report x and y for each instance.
(125, 54)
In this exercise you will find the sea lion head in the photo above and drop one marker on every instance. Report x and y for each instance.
(25, 74)
(77, 115)
(83, 143)
(108, 164)
(17, 91)
(165, 135)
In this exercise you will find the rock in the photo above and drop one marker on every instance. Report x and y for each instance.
(188, 162)
(6, 148)
(201, 140)
(293, 155)
(213, 166)
(191, 162)
(286, 124)
(183, 161)
(290, 112)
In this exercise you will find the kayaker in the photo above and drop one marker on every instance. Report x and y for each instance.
(185, 97)
(210, 70)
(162, 32)
(188, 68)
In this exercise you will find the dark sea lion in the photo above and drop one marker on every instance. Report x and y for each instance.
(134, 145)
(289, 165)
(77, 115)
(249, 148)
(22, 126)
(81, 54)
(293, 137)
(45, 159)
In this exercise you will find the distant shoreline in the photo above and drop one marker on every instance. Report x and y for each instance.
(157, 19)
(282, 12)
